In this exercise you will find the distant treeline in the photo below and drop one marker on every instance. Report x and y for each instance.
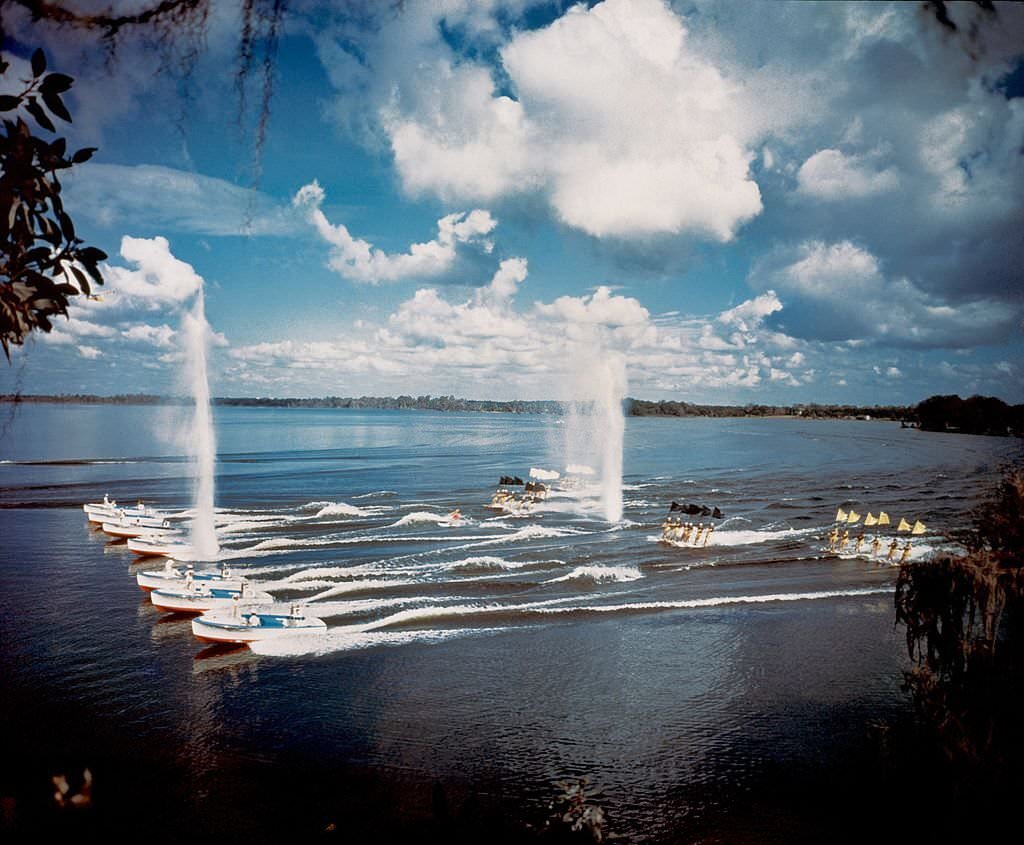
(643, 408)
(976, 415)
(392, 403)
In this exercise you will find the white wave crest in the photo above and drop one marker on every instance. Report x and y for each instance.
(419, 516)
(745, 538)
(340, 509)
(600, 574)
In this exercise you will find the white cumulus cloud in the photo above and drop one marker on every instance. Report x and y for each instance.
(628, 130)
(357, 259)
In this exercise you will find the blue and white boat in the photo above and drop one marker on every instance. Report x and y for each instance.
(198, 597)
(247, 626)
(137, 526)
(174, 546)
(109, 511)
(172, 576)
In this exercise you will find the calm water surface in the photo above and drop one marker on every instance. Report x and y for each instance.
(712, 694)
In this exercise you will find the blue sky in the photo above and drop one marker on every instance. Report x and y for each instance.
(766, 202)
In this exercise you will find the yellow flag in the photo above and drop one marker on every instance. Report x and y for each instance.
(870, 520)
(853, 517)
(840, 515)
(883, 518)
(903, 526)
(918, 528)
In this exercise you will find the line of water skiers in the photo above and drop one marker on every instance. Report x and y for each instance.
(674, 530)
(838, 542)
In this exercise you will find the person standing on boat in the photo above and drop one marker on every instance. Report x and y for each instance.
(707, 534)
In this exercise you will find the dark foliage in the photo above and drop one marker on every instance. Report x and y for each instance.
(976, 415)
(963, 617)
(643, 408)
(42, 261)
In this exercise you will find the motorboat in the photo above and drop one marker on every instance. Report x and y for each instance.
(172, 576)
(170, 546)
(197, 597)
(138, 526)
(235, 625)
(109, 511)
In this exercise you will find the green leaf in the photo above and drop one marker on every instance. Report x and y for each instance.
(56, 105)
(40, 116)
(38, 63)
(9, 102)
(56, 83)
(83, 155)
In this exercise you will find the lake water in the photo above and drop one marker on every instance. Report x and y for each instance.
(725, 693)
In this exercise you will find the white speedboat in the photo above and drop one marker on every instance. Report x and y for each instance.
(197, 597)
(172, 576)
(108, 511)
(139, 526)
(173, 546)
(246, 626)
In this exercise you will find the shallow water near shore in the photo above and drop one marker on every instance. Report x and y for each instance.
(467, 667)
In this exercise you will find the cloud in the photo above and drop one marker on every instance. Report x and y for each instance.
(356, 259)
(831, 175)
(625, 129)
(159, 279)
(749, 315)
(162, 336)
(157, 198)
(600, 308)
(90, 353)
(490, 345)
(840, 291)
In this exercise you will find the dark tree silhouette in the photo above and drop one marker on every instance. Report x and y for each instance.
(963, 616)
(42, 261)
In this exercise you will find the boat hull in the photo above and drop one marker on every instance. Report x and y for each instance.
(145, 546)
(161, 580)
(182, 601)
(131, 531)
(220, 627)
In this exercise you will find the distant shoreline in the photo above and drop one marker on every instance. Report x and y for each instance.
(634, 407)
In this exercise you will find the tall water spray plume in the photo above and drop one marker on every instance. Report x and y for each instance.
(595, 426)
(202, 443)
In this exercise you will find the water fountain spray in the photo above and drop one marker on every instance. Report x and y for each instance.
(202, 443)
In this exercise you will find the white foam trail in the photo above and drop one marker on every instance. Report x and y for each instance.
(600, 574)
(333, 641)
(489, 562)
(405, 617)
(362, 587)
(340, 509)
(744, 538)
(376, 493)
(419, 516)
(202, 443)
